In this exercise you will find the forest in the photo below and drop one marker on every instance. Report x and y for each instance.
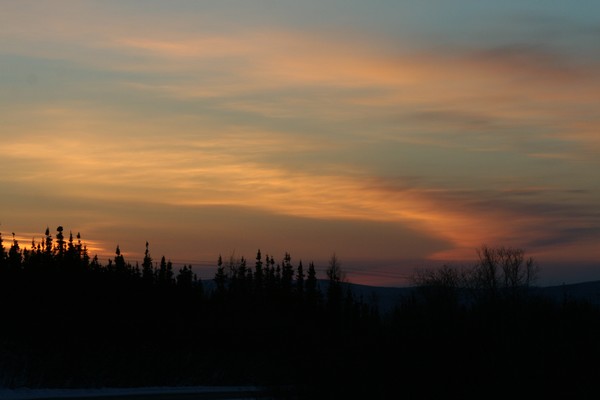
(480, 331)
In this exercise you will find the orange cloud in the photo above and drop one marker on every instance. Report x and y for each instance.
(199, 177)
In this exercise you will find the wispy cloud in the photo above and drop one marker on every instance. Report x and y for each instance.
(197, 176)
(478, 141)
(279, 74)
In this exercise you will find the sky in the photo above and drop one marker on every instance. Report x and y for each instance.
(396, 134)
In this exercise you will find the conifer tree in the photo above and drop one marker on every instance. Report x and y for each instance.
(220, 277)
(311, 282)
(82, 253)
(258, 271)
(60, 243)
(2, 254)
(165, 272)
(47, 247)
(95, 264)
(242, 270)
(300, 279)
(79, 247)
(269, 274)
(278, 274)
(147, 268)
(85, 258)
(137, 272)
(119, 265)
(272, 263)
(28, 259)
(31, 257)
(185, 277)
(70, 244)
(14, 256)
(238, 276)
(110, 267)
(160, 269)
(169, 275)
(249, 279)
(48, 243)
(287, 273)
(70, 258)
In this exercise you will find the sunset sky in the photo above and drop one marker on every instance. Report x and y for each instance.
(397, 134)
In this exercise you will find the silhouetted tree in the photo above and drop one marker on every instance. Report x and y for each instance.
(81, 253)
(110, 267)
(300, 279)
(278, 275)
(95, 264)
(60, 242)
(335, 278)
(241, 269)
(220, 277)
(249, 277)
(72, 257)
(501, 272)
(440, 288)
(311, 284)
(48, 242)
(71, 244)
(47, 249)
(334, 270)
(2, 254)
(119, 265)
(185, 278)
(258, 273)
(14, 256)
(165, 272)
(287, 273)
(136, 271)
(269, 273)
(147, 267)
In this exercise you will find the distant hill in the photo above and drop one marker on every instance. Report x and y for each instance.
(387, 297)
(588, 291)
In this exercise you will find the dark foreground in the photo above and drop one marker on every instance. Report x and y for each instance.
(70, 322)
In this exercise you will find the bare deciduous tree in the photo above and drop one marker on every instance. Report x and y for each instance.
(501, 272)
(440, 287)
(334, 270)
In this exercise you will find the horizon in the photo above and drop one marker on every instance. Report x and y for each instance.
(385, 274)
(395, 135)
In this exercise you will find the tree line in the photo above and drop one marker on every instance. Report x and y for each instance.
(72, 320)
(233, 279)
(57, 255)
(480, 331)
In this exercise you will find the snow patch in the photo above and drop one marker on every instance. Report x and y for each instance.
(30, 394)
